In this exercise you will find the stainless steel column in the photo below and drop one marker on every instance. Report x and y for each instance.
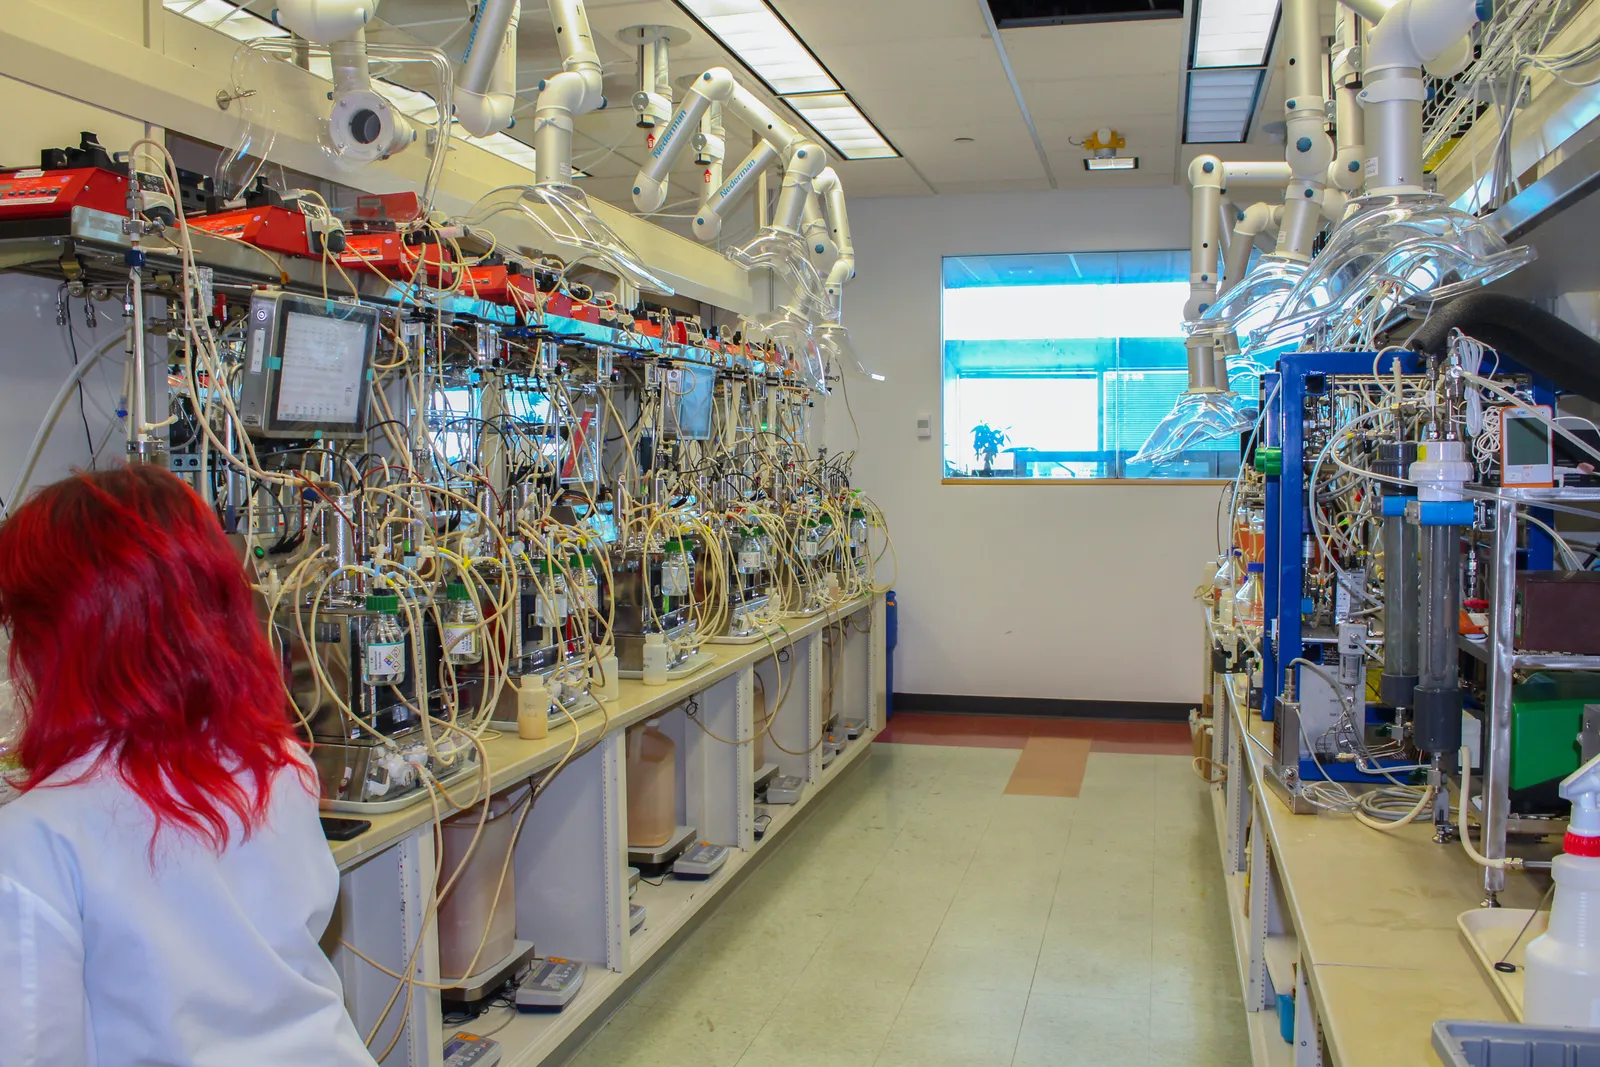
(1497, 730)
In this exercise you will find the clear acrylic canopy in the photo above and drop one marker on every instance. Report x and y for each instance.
(563, 214)
(784, 254)
(796, 340)
(833, 341)
(1254, 302)
(1200, 415)
(1408, 249)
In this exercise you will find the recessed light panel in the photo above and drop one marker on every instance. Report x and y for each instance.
(841, 123)
(1221, 103)
(763, 42)
(1234, 33)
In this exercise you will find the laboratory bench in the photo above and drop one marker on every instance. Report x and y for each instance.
(1358, 926)
(570, 862)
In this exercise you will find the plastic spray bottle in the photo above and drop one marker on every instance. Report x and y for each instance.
(1562, 984)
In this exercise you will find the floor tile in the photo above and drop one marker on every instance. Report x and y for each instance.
(921, 916)
(1084, 1031)
(940, 1026)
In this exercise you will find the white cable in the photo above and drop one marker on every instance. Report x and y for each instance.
(1505, 863)
(53, 412)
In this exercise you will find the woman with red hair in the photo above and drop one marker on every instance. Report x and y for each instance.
(164, 881)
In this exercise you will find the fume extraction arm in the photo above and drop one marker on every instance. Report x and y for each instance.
(486, 92)
(1395, 243)
(553, 204)
(364, 127)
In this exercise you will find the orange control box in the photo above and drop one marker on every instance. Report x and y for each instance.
(388, 254)
(32, 193)
(275, 229)
(495, 284)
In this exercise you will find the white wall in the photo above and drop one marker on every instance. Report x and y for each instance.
(35, 359)
(35, 356)
(1064, 591)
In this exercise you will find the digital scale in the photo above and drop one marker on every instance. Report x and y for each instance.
(470, 1050)
(785, 789)
(765, 774)
(701, 861)
(469, 994)
(633, 880)
(852, 730)
(763, 820)
(635, 918)
(550, 986)
(653, 862)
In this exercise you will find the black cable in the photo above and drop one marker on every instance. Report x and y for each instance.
(72, 338)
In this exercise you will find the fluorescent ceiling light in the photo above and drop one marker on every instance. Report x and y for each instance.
(849, 132)
(227, 18)
(503, 145)
(751, 30)
(1221, 103)
(1234, 33)
(1111, 163)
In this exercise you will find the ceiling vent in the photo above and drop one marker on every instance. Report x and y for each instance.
(1012, 14)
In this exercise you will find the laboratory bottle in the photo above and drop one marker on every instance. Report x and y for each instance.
(584, 591)
(1226, 579)
(652, 787)
(677, 569)
(1249, 602)
(461, 625)
(550, 602)
(655, 659)
(1561, 986)
(749, 561)
(811, 539)
(383, 642)
(858, 530)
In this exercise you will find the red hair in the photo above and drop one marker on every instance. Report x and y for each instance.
(134, 637)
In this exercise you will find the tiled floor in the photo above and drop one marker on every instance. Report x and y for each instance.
(923, 918)
(1013, 731)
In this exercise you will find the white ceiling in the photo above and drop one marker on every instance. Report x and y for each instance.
(925, 71)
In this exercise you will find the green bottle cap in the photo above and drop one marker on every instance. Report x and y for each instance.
(456, 591)
(1269, 459)
(385, 603)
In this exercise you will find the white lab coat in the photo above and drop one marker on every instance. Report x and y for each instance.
(199, 960)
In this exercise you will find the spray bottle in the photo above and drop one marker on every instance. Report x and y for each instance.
(1562, 986)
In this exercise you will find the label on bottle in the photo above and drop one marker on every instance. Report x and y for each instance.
(386, 662)
(809, 547)
(750, 561)
(590, 596)
(460, 639)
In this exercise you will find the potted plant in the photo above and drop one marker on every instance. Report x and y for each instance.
(987, 443)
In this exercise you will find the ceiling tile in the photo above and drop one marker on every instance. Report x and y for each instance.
(1110, 100)
(1095, 49)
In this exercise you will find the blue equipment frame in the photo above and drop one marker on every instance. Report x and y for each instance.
(1285, 390)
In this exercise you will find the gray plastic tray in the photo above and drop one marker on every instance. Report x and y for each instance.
(1461, 1043)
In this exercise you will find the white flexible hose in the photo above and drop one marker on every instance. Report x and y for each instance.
(54, 411)
(1512, 863)
(1385, 826)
